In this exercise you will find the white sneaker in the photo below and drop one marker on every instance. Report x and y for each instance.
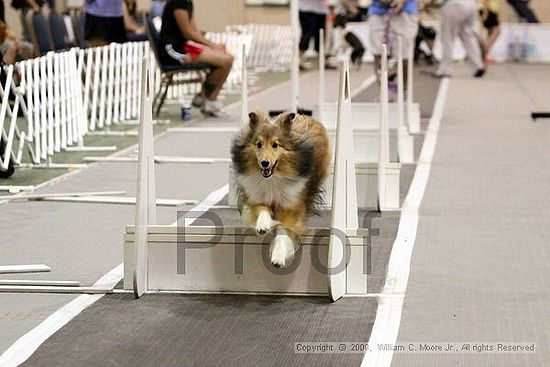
(198, 101)
(212, 108)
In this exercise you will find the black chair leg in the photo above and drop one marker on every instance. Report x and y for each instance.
(163, 95)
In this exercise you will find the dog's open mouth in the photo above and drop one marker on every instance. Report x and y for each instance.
(268, 172)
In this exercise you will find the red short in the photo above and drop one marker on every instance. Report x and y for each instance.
(193, 49)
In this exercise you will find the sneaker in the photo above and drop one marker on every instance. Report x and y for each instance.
(212, 108)
(305, 65)
(198, 101)
(479, 73)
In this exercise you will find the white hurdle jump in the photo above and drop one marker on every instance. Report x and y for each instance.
(365, 121)
(155, 255)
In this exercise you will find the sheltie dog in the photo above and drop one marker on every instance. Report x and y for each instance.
(279, 168)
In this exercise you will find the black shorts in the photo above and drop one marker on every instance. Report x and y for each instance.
(110, 29)
(491, 21)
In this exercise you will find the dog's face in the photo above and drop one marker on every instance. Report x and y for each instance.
(269, 142)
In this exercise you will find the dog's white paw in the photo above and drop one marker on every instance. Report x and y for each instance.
(264, 223)
(282, 249)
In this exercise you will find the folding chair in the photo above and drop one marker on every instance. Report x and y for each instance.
(58, 30)
(168, 72)
(40, 32)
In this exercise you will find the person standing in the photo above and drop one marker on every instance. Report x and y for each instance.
(107, 21)
(104, 22)
(389, 19)
(458, 19)
(313, 18)
(181, 42)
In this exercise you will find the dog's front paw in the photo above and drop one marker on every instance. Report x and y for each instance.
(282, 249)
(265, 223)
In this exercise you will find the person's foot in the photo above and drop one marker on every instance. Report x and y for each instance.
(479, 73)
(489, 59)
(212, 108)
(198, 101)
(330, 66)
(305, 65)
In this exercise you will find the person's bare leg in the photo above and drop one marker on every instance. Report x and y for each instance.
(97, 42)
(377, 65)
(492, 37)
(222, 63)
(10, 55)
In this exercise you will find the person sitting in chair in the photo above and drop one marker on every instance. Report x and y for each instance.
(181, 42)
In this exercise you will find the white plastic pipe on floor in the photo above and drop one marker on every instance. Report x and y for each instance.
(384, 143)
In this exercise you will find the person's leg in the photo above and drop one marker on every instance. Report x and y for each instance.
(376, 38)
(468, 36)
(96, 30)
(320, 22)
(524, 11)
(222, 63)
(307, 23)
(25, 51)
(406, 26)
(9, 51)
(494, 32)
(448, 29)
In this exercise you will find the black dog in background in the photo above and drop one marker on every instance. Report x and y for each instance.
(351, 39)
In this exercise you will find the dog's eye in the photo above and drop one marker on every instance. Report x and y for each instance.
(259, 145)
(275, 145)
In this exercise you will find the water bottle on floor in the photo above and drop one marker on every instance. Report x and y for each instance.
(186, 111)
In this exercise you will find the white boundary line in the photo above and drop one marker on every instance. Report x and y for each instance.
(388, 315)
(25, 346)
(366, 83)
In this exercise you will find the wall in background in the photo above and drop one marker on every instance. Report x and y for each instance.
(211, 16)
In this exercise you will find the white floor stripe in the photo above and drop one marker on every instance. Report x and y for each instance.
(210, 201)
(25, 346)
(367, 83)
(388, 315)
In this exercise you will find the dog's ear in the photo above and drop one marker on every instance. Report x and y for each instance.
(254, 120)
(287, 121)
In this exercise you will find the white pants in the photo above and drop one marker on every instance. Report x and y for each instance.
(459, 20)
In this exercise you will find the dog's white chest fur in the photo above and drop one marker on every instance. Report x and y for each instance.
(278, 190)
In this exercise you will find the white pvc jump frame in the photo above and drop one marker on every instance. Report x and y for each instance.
(367, 114)
(150, 250)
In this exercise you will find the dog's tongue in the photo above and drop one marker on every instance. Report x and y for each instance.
(266, 172)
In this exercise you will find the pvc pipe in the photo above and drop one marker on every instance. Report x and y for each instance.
(321, 69)
(295, 66)
(244, 88)
(383, 145)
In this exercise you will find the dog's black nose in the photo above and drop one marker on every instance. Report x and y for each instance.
(264, 164)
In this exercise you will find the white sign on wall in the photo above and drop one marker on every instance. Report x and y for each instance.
(74, 3)
(267, 2)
